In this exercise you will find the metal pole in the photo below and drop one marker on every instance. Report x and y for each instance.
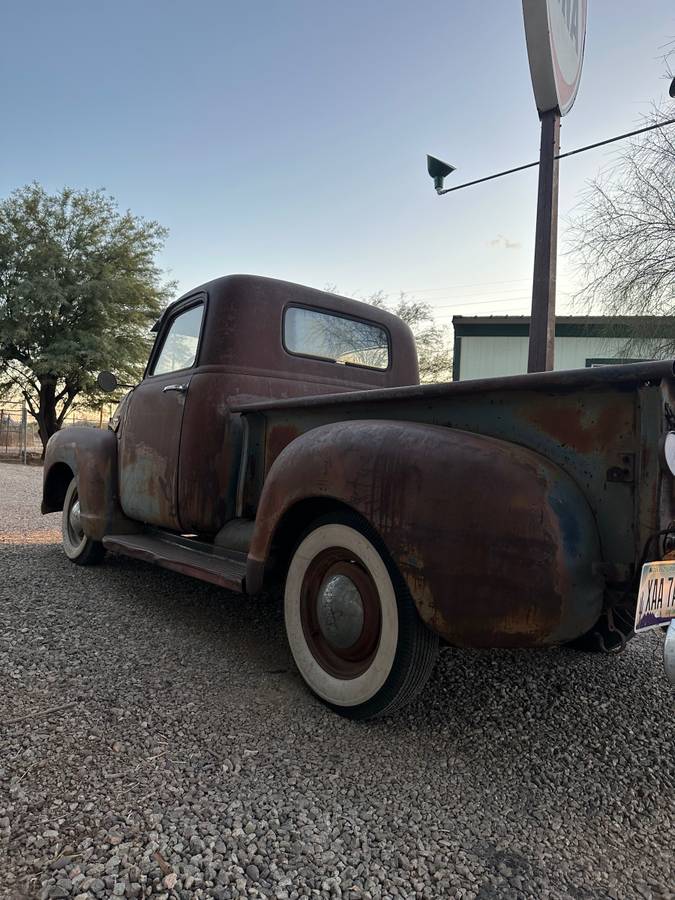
(542, 320)
(24, 433)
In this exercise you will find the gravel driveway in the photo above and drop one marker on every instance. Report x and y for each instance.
(156, 739)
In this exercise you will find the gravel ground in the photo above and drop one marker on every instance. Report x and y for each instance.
(155, 739)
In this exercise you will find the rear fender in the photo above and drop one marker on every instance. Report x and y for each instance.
(497, 544)
(90, 454)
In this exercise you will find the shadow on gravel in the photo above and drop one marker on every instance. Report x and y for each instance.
(166, 680)
(194, 627)
(206, 612)
(470, 688)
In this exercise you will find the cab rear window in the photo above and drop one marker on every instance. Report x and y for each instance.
(338, 339)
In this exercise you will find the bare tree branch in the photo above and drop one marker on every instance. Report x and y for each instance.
(622, 236)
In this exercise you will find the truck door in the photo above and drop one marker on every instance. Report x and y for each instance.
(150, 439)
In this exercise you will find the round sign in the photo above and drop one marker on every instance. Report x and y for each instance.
(555, 32)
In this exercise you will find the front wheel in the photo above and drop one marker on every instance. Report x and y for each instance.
(79, 548)
(352, 626)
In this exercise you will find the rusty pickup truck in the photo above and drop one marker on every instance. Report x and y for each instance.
(280, 436)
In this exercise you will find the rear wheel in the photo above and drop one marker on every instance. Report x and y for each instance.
(79, 548)
(352, 626)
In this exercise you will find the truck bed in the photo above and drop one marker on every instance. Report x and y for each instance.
(569, 380)
(600, 425)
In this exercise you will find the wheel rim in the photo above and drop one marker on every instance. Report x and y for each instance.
(74, 532)
(340, 613)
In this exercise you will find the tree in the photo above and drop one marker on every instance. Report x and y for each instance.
(624, 233)
(432, 340)
(79, 289)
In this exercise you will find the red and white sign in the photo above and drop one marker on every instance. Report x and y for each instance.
(555, 32)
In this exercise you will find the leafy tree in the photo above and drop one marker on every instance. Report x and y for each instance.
(432, 340)
(79, 289)
(623, 235)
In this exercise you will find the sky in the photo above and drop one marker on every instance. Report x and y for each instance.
(289, 138)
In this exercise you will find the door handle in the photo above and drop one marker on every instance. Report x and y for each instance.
(182, 388)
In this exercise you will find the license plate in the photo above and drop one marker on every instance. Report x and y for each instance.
(656, 597)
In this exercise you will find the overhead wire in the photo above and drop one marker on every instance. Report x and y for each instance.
(450, 287)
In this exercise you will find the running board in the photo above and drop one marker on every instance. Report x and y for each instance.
(185, 555)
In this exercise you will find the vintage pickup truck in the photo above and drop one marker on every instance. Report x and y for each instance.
(280, 437)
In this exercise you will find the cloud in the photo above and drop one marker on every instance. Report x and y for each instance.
(501, 241)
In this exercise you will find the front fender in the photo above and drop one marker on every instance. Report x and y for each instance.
(497, 544)
(91, 455)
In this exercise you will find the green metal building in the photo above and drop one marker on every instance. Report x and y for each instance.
(487, 346)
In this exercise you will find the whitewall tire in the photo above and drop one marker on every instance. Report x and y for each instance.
(79, 548)
(352, 627)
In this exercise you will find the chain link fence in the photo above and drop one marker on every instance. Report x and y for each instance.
(15, 434)
(19, 435)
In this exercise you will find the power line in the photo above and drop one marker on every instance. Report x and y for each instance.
(448, 317)
(459, 302)
(524, 305)
(450, 287)
(486, 302)
(612, 140)
(479, 294)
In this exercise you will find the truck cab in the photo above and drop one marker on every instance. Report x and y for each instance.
(240, 339)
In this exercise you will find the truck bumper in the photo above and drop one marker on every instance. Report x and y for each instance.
(669, 653)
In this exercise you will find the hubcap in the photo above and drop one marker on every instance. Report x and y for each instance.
(74, 522)
(340, 613)
(339, 609)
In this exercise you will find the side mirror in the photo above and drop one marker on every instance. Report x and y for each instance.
(107, 382)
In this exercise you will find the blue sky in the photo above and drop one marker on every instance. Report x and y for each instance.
(289, 138)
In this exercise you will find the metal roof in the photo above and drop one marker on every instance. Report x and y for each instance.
(566, 320)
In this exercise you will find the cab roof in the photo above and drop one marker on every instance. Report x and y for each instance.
(244, 328)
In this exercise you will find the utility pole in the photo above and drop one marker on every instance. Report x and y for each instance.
(24, 433)
(555, 34)
(542, 319)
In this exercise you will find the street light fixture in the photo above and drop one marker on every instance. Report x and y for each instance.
(432, 161)
(438, 171)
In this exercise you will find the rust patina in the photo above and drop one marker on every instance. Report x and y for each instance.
(497, 544)
(517, 510)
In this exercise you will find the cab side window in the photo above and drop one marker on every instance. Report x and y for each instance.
(179, 349)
